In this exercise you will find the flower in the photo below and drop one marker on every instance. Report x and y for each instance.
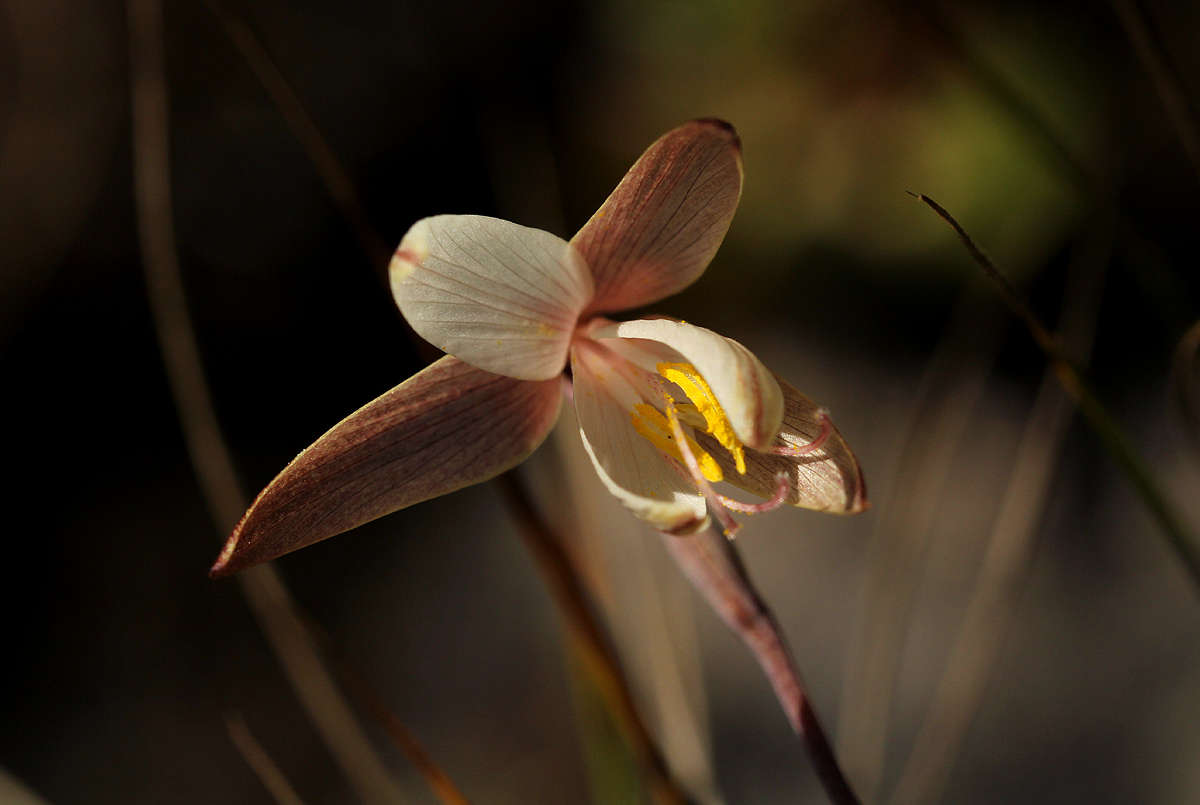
(665, 408)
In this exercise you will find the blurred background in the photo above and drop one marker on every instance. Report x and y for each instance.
(1007, 623)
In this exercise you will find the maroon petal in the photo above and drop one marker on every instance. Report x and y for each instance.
(449, 426)
(659, 229)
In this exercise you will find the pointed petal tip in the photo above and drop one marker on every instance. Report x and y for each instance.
(226, 565)
(859, 503)
(220, 569)
(724, 126)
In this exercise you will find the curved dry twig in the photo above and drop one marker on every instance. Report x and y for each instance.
(1163, 75)
(334, 176)
(268, 598)
(1009, 551)
(947, 396)
(1185, 383)
(14, 791)
(599, 660)
(260, 762)
(1111, 434)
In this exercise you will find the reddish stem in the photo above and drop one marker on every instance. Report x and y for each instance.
(712, 564)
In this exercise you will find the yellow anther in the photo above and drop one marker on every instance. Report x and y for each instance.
(652, 424)
(716, 422)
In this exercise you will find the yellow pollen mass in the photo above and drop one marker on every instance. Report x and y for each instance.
(653, 426)
(716, 422)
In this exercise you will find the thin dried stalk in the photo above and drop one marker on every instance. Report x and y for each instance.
(265, 592)
(1097, 416)
(668, 640)
(256, 757)
(368, 699)
(556, 569)
(1088, 182)
(336, 180)
(712, 563)
(598, 658)
(1162, 74)
(650, 622)
(14, 791)
(1185, 382)
(948, 393)
(1009, 553)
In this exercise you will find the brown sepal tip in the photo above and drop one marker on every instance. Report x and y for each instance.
(724, 126)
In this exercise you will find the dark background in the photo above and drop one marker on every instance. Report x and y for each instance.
(1035, 123)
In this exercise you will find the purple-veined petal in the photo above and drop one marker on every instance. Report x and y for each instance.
(497, 295)
(746, 389)
(629, 466)
(828, 479)
(657, 232)
(448, 426)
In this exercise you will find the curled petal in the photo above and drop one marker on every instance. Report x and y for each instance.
(628, 465)
(449, 426)
(746, 390)
(825, 479)
(494, 294)
(657, 232)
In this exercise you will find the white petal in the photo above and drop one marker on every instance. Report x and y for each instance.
(628, 465)
(496, 295)
(743, 386)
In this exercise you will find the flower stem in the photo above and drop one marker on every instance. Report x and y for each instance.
(1094, 413)
(712, 563)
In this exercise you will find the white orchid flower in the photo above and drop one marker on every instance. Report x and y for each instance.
(665, 408)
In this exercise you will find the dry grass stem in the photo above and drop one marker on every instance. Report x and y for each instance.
(1185, 382)
(269, 600)
(256, 757)
(1008, 555)
(597, 655)
(1163, 75)
(1112, 436)
(368, 699)
(302, 126)
(14, 791)
(947, 396)
(647, 606)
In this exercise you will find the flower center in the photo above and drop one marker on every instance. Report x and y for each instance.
(653, 426)
(700, 394)
(700, 410)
